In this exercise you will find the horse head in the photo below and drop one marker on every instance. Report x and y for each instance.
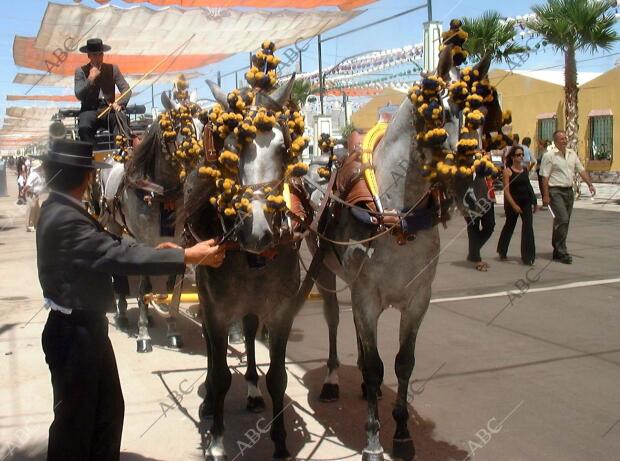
(258, 147)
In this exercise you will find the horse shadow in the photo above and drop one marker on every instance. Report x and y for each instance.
(247, 434)
(337, 417)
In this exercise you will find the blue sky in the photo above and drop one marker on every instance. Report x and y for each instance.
(25, 15)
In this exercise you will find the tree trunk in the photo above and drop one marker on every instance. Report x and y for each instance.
(571, 106)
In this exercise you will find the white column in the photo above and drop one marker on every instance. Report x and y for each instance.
(432, 41)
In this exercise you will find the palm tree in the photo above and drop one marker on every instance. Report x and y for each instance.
(491, 34)
(301, 90)
(570, 26)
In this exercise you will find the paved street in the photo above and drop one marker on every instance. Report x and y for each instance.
(530, 375)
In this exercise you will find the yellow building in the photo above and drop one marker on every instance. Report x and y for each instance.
(536, 99)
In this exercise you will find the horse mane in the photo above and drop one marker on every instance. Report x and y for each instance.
(142, 162)
(196, 210)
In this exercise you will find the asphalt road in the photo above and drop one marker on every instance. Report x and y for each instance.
(530, 376)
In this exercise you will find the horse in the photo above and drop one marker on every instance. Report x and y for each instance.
(368, 269)
(229, 293)
(142, 197)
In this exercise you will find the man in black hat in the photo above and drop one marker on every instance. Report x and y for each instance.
(75, 257)
(94, 87)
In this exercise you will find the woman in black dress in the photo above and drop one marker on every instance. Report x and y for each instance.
(519, 200)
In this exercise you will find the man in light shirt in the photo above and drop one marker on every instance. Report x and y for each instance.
(33, 188)
(558, 168)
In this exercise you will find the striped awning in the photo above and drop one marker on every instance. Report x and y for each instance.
(140, 31)
(67, 81)
(213, 5)
(41, 97)
(26, 54)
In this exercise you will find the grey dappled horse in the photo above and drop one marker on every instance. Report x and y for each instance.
(236, 291)
(130, 205)
(386, 274)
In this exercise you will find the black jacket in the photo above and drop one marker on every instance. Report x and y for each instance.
(88, 93)
(75, 257)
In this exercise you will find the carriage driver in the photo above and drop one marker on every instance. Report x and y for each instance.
(94, 87)
(75, 257)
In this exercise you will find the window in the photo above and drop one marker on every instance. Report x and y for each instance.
(546, 128)
(601, 137)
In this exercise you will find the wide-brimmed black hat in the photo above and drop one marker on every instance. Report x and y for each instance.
(72, 153)
(95, 45)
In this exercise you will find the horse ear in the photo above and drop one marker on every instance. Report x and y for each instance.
(282, 94)
(166, 102)
(445, 63)
(484, 65)
(218, 94)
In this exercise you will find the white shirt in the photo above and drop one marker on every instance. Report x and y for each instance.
(560, 169)
(35, 183)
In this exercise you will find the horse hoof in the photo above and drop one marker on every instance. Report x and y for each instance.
(365, 393)
(255, 404)
(145, 345)
(330, 392)
(216, 458)
(403, 449)
(175, 341)
(205, 410)
(372, 456)
(282, 455)
(122, 322)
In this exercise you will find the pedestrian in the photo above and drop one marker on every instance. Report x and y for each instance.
(22, 177)
(529, 161)
(543, 145)
(480, 218)
(75, 256)
(558, 168)
(32, 190)
(519, 200)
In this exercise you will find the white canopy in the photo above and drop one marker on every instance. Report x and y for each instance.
(145, 31)
(55, 80)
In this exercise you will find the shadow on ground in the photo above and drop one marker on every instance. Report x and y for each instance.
(38, 452)
(345, 419)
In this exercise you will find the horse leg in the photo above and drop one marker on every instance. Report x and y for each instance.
(276, 384)
(219, 378)
(366, 313)
(174, 285)
(255, 401)
(326, 284)
(206, 409)
(121, 288)
(403, 447)
(144, 339)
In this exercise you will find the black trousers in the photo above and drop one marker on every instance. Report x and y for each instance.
(88, 124)
(479, 230)
(88, 400)
(528, 245)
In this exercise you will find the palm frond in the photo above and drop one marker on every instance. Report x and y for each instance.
(580, 25)
(491, 34)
